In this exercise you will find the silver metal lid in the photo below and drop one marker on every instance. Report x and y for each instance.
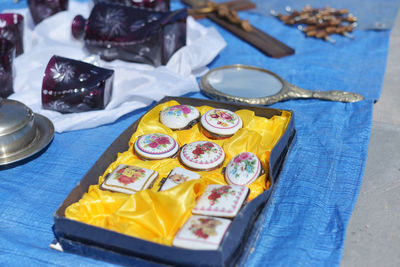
(13, 116)
(22, 132)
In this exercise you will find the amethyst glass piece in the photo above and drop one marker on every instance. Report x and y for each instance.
(75, 86)
(12, 29)
(41, 9)
(157, 5)
(131, 33)
(7, 54)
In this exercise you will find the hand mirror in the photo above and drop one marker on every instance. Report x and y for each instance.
(253, 85)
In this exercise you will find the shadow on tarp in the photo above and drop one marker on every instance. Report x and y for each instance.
(26, 160)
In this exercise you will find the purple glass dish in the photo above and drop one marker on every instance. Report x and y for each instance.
(131, 33)
(75, 86)
(41, 9)
(7, 55)
(157, 5)
(12, 29)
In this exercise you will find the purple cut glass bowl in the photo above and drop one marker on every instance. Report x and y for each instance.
(75, 86)
(131, 33)
(12, 29)
(41, 9)
(7, 55)
(157, 5)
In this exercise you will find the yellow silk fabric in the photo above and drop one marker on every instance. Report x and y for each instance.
(157, 216)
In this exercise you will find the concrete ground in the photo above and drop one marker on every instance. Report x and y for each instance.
(373, 234)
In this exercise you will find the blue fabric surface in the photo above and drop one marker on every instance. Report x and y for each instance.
(313, 200)
(371, 14)
(305, 222)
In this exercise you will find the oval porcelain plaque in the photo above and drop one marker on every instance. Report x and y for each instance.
(243, 169)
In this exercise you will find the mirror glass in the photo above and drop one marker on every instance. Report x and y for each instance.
(243, 82)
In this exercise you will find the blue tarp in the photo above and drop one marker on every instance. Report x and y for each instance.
(306, 220)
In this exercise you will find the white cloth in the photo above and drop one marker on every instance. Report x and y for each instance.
(135, 85)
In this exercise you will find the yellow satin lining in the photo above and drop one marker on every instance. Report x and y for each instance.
(157, 216)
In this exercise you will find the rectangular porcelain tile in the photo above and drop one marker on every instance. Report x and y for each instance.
(221, 200)
(177, 176)
(202, 233)
(129, 179)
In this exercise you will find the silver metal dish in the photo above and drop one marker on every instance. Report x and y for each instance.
(22, 132)
(258, 86)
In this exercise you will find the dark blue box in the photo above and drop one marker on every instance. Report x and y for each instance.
(100, 243)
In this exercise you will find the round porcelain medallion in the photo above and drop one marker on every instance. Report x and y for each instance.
(156, 146)
(202, 155)
(221, 122)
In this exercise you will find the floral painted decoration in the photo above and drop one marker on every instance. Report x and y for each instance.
(220, 123)
(202, 155)
(244, 163)
(202, 233)
(129, 179)
(179, 178)
(179, 116)
(129, 174)
(179, 110)
(155, 146)
(156, 141)
(222, 117)
(221, 200)
(203, 148)
(204, 227)
(217, 193)
(243, 169)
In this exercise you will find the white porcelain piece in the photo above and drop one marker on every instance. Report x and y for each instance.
(201, 233)
(177, 176)
(179, 116)
(156, 146)
(243, 169)
(220, 123)
(129, 179)
(221, 200)
(202, 155)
